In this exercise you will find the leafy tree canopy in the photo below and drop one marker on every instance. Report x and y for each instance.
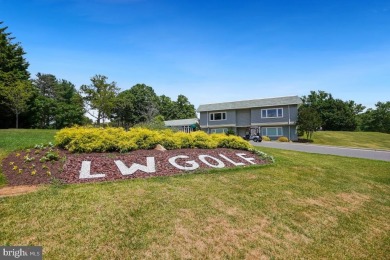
(16, 97)
(100, 96)
(57, 104)
(336, 115)
(309, 120)
(376, 120)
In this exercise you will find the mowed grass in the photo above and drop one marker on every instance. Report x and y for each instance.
(372, 140)
(15, 139)
(304, 206)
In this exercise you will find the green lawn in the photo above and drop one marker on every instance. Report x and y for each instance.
(304, 206)
(372, 140)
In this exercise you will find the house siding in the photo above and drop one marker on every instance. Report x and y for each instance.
(230, 119)
(288, 131)
(243, 117)
(288, 111)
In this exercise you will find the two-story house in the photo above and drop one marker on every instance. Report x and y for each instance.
(273, 117)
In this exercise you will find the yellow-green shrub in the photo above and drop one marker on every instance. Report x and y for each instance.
(145, 138)
(65, 135)
(126, 143)
(168, 139)
(185, 140)
(203, 140)
(90, 139)
(283, 139)
(266, 138)
(230, 141)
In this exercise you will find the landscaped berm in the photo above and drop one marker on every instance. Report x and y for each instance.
(304, 205)
(86, 154)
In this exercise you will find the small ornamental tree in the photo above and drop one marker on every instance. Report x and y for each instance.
(309, 120)
(16, 97)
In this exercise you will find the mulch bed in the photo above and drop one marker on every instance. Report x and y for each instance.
(67, 168)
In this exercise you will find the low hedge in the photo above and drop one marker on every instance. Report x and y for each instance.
(90, 139)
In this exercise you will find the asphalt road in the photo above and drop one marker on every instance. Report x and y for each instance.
(324, 149)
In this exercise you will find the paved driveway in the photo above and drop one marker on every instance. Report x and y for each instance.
(324, 149)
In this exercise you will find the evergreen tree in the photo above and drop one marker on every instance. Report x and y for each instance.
(13, 70)
(56, 104)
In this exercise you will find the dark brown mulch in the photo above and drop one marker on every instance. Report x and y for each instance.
(68, 169)
(24, 173)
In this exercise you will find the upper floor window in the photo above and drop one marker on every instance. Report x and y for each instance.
(272, 113)
(217, 116)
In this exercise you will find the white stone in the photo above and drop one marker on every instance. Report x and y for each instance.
(231, 161)
(85, 172)
(149, 168)
(203, 157)
(194, 165)
(250, 159)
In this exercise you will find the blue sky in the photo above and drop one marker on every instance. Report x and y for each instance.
(211, 51)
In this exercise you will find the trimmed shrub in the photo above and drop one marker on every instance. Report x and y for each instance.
(266, 138)
(169, 140)
(145, 138)
(203, 140)
(283, 139)
(86, 140)
(89, 139)
(230, 141)
(126, 143)
(185, 140)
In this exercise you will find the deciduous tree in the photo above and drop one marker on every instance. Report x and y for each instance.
(336, 114)
(16, 97)
(100, 96)
(183, 108)
(145, 103)
(376, 120)
(309, 120)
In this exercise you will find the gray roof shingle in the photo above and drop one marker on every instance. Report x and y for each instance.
(264, 102)
(181, 122)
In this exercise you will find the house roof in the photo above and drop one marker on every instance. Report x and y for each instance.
(264, 102)
(181, 122)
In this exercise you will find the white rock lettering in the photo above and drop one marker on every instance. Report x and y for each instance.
(85, 172)
(194, 165)
(188, 164)
(149, 168)
(203, 157)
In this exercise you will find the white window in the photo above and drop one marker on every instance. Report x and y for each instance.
(217, 116)
(272, 113)
(272, 131)
(219, 130)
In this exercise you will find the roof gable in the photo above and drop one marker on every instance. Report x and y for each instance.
(245, 104)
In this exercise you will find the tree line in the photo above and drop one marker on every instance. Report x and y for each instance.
(320, 110)
(48, 102)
